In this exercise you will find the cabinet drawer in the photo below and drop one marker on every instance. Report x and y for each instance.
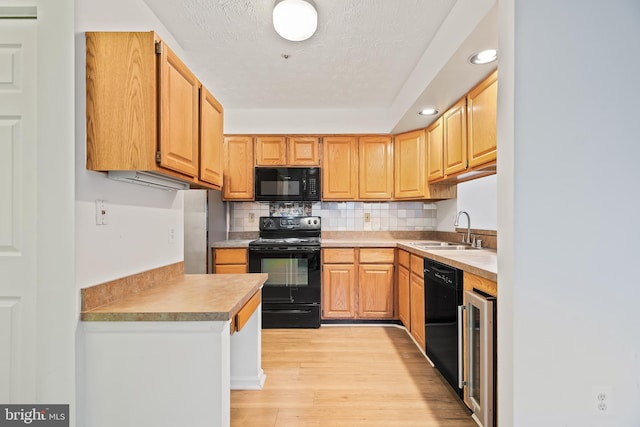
(472, 281)
(230, 269)
(242, 317)
(339, 256)
(403, 258)
(231, 256)
(377, 256)
(417, 265)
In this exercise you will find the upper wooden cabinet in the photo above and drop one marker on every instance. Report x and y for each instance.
(340, 168)
(271, 151)
(455, 138)
(409, 161)
(435, 159)
(375, 155)
(287, 151)
(142, 106)
(467, 132)
(303, 150)
(482, 104)
(211, 139)
(238, 169)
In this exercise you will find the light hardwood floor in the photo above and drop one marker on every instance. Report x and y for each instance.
(347, 376)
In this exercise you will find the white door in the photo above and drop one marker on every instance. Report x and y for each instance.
(18, 233)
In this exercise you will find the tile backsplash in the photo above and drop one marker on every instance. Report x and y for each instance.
(341, 216)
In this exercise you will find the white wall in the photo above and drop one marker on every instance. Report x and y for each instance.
(571, 279)
(136, 237)
(479, 198)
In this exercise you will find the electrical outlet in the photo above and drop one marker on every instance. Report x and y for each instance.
(172, 235)
(252, 217)
(367, 217)
(101, 212)
(601, 400)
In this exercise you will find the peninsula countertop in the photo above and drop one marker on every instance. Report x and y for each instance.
(189, 297)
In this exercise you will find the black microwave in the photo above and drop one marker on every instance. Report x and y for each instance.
(284, 184)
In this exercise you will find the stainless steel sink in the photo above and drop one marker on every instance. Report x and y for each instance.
(448, 248)
(441, 246)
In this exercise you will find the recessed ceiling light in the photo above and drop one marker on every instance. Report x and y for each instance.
(484, 57)
(428, 112)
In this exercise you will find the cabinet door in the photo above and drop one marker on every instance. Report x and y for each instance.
(211, 138)
(338, 291)
(482, 104)
(376, 167)
(121, 63)
(435, 141)
(340, 168)
(404, 299)
(303, 151)
(409, 158)
(417, 309)
(271, 151)
(375, 291)
(238, 171)
(179, 111)
(455, 138)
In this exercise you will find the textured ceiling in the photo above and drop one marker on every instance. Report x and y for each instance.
(362, 55)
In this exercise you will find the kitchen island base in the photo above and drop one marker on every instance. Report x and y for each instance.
(165, 374)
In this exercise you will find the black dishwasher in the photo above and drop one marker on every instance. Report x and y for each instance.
(443, 294)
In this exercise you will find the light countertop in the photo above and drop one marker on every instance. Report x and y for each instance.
(481, 262)
(190, 297)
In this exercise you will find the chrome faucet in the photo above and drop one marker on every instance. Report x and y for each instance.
(456, 222)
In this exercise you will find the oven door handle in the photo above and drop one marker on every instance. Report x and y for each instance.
(288, 311)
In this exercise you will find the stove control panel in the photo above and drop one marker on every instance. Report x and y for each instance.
(290, 223)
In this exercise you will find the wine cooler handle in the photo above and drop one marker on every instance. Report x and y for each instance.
(461, 382)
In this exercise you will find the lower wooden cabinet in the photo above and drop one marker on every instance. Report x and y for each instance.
(411, 295)
(416, 286)
(338, 291)
(369, 295)
(404, 298)
(230, 261)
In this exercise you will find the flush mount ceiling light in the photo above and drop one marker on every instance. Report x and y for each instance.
(295, 20)
(428, 112)
(484, 57)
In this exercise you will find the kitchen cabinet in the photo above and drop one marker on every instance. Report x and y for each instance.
(271, 151)
(369, 295)
(409, 162)
(230, 260)
(463, 140)
(211, 139)
(404, 297)
(375, 283)
(142, 106)
(416, 290)
(287, 151)
(455, 138)
(238, 169)
(303, 150)
(375, 163)
(435, 159)
(481, 121)
(340, 168)
(338, 283)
